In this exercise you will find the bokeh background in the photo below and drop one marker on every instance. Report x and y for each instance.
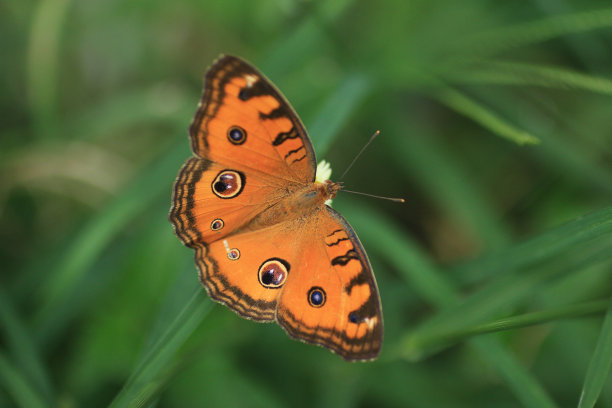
(496, 128)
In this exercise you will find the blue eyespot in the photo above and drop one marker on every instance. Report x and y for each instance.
(316, 297)
(217, 224)
(233, 254)
(236, 135)
(353, 317)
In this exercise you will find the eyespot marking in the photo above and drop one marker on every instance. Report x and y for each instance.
(233, 254)
(228, 184)
(217, 224)
(316, 296)
(273, 273)
(353, 317)
(236, 135)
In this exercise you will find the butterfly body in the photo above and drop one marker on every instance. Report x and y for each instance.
(266, 244)
(296, 205)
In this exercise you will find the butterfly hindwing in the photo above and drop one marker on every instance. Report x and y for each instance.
(274, 273)
(247, 271)
(334, 303)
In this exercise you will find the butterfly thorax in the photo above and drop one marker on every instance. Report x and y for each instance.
(298, 203)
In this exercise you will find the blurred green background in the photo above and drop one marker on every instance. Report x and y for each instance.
(495, 277)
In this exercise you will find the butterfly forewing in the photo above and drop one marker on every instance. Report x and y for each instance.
(241, 106)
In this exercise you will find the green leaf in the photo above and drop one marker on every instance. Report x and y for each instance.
(537, 31)
(599, 366)
(23, 351)
(97, 234)
(505, 293)
(384, 238)
(482, 115)
(152, 372)
(514, 73)
(451, 334)
(443, 177)
(44, 61)
(597, 225)
(525, 386)
(16, 384)
(336, 111)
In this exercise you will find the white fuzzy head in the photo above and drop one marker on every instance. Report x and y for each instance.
(323, 172)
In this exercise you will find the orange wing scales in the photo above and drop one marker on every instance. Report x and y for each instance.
(344, 343)
(221, 290)
(235, 93)
(294, 146)
(184, 219)
(355, 329)
(181, 213)
(265, 244)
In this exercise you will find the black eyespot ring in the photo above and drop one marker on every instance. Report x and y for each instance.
(316, 296)
(217, 224)
(233, 254)
(353, 317)
(228, 184)
(273, 273)
(236, 135)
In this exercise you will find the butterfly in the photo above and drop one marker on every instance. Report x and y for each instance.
(266, 244)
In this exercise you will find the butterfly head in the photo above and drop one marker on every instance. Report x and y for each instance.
(328, 191)
(323, 174)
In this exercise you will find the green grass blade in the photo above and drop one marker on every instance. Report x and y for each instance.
(515, 322)
(504, 294)
(524, 34)
(43, 63)
(16, 384)
(388, 240)
(22, 349)
(392, 244)
(580, 161)
(440, 174)
(525, 386)
(161, 104)
(514, 73)
(336, 111)
(564, 148)
(482, 115)
(597, 225)
(295, 47)
(148, 377)
(95, 236)
(599, 366)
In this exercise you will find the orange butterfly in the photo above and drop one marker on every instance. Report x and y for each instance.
(266, 245)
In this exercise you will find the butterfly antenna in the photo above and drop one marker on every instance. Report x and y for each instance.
(395, 200)
(359, 154)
